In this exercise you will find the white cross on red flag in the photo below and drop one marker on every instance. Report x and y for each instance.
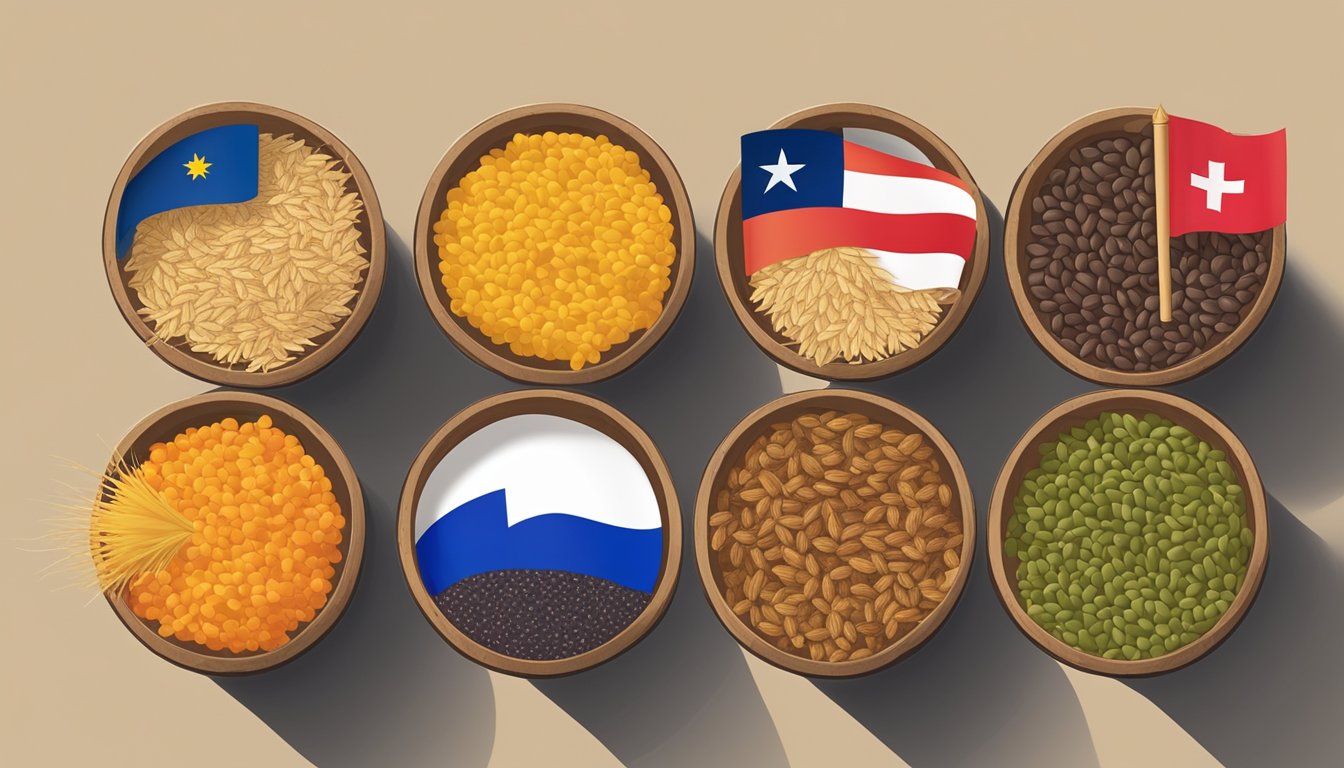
(1222, 182)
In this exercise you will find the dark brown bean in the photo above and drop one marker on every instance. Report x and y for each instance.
(1091, 263)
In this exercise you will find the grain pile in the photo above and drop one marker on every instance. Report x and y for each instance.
(1131, 536)
(540, 614)
(263, 540)
(839, 304)
(1091, 263)
(558, 246)
(253, 284)
(836, 535)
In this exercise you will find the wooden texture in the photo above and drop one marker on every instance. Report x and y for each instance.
(465, 156)
(731, 451)
(1017, 234)
(1162, 198)
(202, 410)
(732, 270)
(1025, 456)
(585, 410)
(371, 235)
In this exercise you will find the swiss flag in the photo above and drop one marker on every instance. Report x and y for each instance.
(1222, 182)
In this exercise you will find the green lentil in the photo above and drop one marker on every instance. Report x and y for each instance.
(1131, 537)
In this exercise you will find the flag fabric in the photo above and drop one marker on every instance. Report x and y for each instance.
(1222, 182)
(804, 190)
(217, 165)
(539, 492)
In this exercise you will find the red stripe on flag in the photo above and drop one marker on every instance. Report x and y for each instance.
(774, 237)
(862, 159)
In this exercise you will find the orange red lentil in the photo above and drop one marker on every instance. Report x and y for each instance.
(267, 530)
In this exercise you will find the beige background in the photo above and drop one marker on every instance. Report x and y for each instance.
(399, 82)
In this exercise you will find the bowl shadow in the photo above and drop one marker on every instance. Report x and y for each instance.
(978, 692)
(1274, 688)
(684, 695)
(1288, 374)
(382, 671)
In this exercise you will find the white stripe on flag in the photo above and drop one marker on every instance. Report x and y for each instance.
(920, 271)
(904, 194)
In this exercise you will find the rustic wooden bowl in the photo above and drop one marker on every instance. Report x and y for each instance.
(732, 271)
(465, 155)
(1076, 412)
(1017, 233)
(208, 408)
(585, 410)
(276, 121)
(731, 451)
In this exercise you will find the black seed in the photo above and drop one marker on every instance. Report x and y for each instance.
(540, 615)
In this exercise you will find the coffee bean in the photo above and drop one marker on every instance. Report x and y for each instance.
(1091, 263)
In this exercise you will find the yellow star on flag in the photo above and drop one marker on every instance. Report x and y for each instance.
(197, 168)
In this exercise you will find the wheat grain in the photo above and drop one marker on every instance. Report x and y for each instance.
(253, 284)
(860, 567)
(839, 304)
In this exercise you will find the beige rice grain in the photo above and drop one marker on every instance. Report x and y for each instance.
(252, 284)
(839, 304)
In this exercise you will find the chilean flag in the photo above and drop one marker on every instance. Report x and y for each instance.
(1222, 182)
(803, 191)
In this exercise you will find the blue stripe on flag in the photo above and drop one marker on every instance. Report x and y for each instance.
(476, 538)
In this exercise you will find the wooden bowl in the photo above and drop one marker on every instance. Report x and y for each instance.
(465, 156)
(585, 410)
(208, 408)
(1017, 234)
(732, 270)
(1025, 456)
(731, 451)
(276, 121)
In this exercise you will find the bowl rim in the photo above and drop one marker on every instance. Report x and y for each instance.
(752, 425)
(294, 421)
(1075, 411)
(943, 157)
(499, 359)
(568, 405)
(315, 358)
(1017, 221)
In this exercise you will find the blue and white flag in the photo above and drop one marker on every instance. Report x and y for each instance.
(539, 492)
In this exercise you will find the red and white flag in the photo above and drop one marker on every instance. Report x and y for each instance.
(1222, 182)
(805, 190)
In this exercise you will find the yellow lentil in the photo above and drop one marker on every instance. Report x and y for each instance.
(558, 245)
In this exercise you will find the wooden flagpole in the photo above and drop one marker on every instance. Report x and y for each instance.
(1162, 188)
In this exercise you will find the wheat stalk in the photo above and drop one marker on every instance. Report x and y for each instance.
(133, 529)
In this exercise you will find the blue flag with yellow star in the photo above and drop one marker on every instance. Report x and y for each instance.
(217, 165)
